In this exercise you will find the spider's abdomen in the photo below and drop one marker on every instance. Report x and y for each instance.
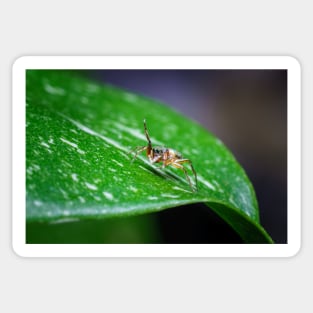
(174, 154)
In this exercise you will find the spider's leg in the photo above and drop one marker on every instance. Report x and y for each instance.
(192, 168)
(178, 164)
(147, 134)
(137, 150)
(156, 159)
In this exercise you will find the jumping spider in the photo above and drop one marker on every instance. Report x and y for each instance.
(167, 156)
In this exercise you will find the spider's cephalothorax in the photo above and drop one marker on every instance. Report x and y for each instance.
(165, 155)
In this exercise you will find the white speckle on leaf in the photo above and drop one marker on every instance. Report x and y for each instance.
(108, 195)
(243, 198)
(115, 131)
(97, 198)
(210, 171)
(65, 220)
(143, 168)
(84, 100)
(32, 187)
(123, 120)
(178, 188)
(74, 145)
(64, 174)
(74, 177)
(92, 88)
(248, 213)
(54, 90)
(219, 142)
(112, 170)
(125, 155)
(194, 151)
(118, 163)
(90, 115)
(132, 188)
(169, 196)
(231, 200)
(152, 198)
(64, 193)
(36, 167)
(206, 182)
(38, 203)
(130, 97)
(91, 186)
(215, 183)
(51, 141)
(218, 160)
(81, 199)
(67, 163)
(45, 144)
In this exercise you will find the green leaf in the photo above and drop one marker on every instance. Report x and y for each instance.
(78, 166)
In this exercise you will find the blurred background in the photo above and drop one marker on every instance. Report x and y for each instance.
(247, 110)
